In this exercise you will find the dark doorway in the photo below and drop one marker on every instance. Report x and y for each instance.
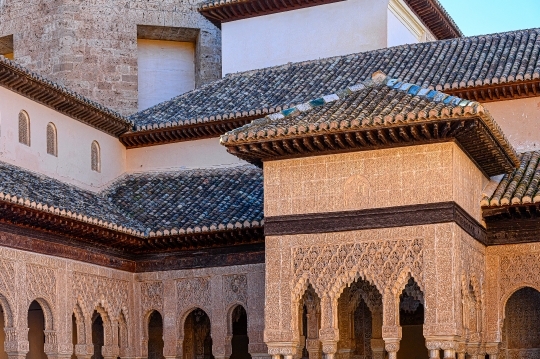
(197, 339)
(36, 334)
(155, 336)
(98, 335)
(240, 339)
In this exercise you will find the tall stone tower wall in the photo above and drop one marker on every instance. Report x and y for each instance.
(90, 46)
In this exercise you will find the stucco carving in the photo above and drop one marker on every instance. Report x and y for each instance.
(193, 292)
(235, 288)
(41, 283)
(152, 296)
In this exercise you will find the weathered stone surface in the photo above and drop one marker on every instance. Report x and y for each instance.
(91, 46)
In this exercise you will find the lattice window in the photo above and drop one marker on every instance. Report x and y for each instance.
(52, 144)
(96, 157)
(24, 128)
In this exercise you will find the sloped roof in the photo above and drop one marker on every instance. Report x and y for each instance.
(520, 186)
(36, 87)
(382, 112)
(147, 204)
(461, 64)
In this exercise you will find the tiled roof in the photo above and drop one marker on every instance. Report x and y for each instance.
(519, 187)
(370, 106)
(34, 86)
(189, 199)
(446, 65)
(147, 204)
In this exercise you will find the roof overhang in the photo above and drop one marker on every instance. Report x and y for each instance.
(27, 84)
(430, 12)
(68, 237)
(470, 133)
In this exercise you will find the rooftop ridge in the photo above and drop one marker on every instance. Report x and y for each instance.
(378, 78)
(384, 49)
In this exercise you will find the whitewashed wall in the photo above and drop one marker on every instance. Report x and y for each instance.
(398, 33)
(305, 34)
(206, 153)
(166, 70)
(74, 140)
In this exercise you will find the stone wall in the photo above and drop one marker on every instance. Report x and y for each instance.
(91, 46)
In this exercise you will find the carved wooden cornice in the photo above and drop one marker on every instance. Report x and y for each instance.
(36, 88)
(169, 134)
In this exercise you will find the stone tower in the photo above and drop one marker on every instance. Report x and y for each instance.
(92, 46)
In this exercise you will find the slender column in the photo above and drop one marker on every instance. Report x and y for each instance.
(392, 348)
(461, 350)
(492, 349)
(433, 349)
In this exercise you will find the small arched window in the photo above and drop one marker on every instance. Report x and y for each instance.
(96, 157)
(24, 128)
(52, 144)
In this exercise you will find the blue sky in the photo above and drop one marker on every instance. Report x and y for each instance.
(478, 17)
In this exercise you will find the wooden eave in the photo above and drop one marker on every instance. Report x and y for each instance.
(251, 8)
(435, 19)
(470, 133)
(79, 233)
(498, 92)
(44, 93)
(431, 14)
(196, 131)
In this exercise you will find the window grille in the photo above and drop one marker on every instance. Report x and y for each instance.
(52, 145)
(24, 128)
(96, 157)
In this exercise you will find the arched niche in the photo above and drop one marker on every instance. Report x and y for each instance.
(36, 331)
(155, 335)
(197, 336)
(521, 325)
(239, 330)
(411, 320)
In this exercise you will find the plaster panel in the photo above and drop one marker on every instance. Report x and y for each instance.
(206, 153)
(372, 179)
(519, 120)
(399, 34)
(166, 70)
(305, 34)
(73, 163)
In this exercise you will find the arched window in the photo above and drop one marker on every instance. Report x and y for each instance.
(52, 145)
(24, 128)
(96, 157)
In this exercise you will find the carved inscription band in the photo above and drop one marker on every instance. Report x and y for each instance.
(402, 216)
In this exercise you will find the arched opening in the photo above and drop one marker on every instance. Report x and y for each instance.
(3, 354)
(95, 156)
(240, 339)
(360, 320)
(36, 332)
(197, 339)
(155, 336)
(309, 324)
(52, 144)
(521, 329)
(74, 335)
(411, 319)
(98, 335)
(24, 128)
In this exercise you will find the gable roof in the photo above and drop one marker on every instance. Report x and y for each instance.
(481, 68)
(431, 12)
(381, 112)
(37, 88)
